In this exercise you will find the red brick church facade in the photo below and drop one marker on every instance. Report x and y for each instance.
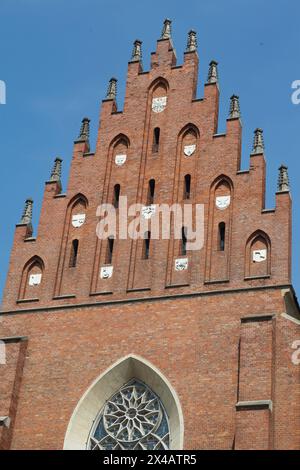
(213, 337)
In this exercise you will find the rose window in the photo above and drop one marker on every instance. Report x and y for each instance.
(133, 418)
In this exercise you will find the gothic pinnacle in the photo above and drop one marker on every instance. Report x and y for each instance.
(112, 89)
(56, 170)
(136, 51)
(27, 212)
(213, 72)
(258, 143)
(166, 31)
(283, 179)
(192, 41)
(84, 130)
(234, 111)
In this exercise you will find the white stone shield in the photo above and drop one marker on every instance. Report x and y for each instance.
(259, 255)
(106, 272)
(189, 150)
(222, 202)
(148, 211)
(35, 279)
(120, 159)
(78, 220)
(159, 104)
(181, 264)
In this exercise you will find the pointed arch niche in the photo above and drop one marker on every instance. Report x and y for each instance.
(119, 154)
(119, 148)
(89, 407)
(157, 105)
(118, 174)
(258, 255)
(219, 230)
(159, 88)
(186, 160)
(32, 277)
(73, 235)
(184, 192)
(189, 140)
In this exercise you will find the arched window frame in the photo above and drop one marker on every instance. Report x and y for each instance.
(104, 386)
(133, 432)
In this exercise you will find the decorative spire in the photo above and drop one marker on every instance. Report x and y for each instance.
(112, 89)
(283, 179)
(192, 41)
(234, 111)
(56, 170)
(166, 31)
(84, 130)
(213, 72)
(258, 143)
(136, 51)
(27, 213)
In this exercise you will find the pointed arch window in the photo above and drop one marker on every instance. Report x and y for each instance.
(156, 139)
(110, 249)
(116, 197)
(222, 230)
(187, 187)
(74, 254)
(151, 192)
(89, 412)
(134, 418)
(183, 241)
(146, 248)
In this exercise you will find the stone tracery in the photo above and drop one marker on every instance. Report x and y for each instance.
(133, 418)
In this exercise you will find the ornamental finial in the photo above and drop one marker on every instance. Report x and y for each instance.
(192, 41)
(84, 130)
(213, 72)
(112, 89)
(258, 143)
(234, 111)
(283, 179)
(27, 212)
(136, 51)
(166, 31)
(56, 170)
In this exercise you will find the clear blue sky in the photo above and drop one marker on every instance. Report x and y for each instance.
(56, 57)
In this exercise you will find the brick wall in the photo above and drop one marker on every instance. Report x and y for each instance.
(190, 324)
